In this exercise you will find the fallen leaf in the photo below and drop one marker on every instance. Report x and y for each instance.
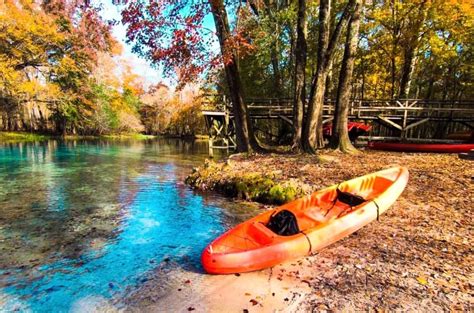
(422, 280)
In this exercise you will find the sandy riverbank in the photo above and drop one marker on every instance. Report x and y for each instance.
(418, 257)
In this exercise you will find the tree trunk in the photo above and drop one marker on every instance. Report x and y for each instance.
(393, 70)
(340, 135)
(362, 90)
(277, 83)
(407, 73)
(290, 72)
(312, 140)
(299, 76)
(275, 60)
(245, 138)
(410, 51)
(313, 128)
(329, 82)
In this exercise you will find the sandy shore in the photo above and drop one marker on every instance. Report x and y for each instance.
(275, 289)
(419, 257)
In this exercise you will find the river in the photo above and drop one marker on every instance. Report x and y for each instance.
(82, 220)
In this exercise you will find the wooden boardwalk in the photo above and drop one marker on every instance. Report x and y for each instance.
(408, 119)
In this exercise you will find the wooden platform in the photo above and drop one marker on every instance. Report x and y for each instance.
(408, 119)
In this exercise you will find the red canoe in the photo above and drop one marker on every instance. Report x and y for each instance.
(422, 147)
(355, 129)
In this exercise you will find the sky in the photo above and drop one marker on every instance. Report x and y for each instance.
(140, 66)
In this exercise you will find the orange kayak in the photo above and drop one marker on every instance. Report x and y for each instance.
(323, 218)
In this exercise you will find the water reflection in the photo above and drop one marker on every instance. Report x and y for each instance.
(91, 218)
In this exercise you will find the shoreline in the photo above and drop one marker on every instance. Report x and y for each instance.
(20, 136)
(415, 258)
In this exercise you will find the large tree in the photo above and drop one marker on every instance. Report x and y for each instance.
(340, 136)
(299, 99)
(243, 126)
(410, 43)
(327, 42)
(172, 34)
(47, 52)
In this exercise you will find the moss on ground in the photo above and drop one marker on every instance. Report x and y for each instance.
(255, 186)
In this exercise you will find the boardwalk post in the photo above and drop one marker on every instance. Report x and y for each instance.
(403, 133)
(211, 143)
(219, 125)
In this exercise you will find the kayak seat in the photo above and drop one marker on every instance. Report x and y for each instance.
(347, 198)
(260, 233)
(315, 215)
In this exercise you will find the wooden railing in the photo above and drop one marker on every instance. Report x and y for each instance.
(402, 118)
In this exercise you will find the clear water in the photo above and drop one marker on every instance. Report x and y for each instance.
(94, 218)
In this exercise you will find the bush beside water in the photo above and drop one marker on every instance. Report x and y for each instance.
(255, 186)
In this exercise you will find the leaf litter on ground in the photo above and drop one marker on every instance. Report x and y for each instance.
(418, 257)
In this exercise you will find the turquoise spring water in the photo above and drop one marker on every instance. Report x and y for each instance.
(95, 218)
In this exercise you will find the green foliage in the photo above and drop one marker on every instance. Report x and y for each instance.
(130, 99)
(6, 137)
(132, 136)
(114, 111)
(441, 37)
(49, 60)
(281, 194)
(249, 186)
(271, 36)
(62, 63)
(437, 35)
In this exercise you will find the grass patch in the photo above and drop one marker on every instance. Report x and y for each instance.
(11, 137)
(133, 136)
